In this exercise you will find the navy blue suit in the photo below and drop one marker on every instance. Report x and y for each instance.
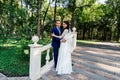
(56, 43)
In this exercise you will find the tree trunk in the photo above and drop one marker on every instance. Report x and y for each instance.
(84, 30)
(43, 26)
(104, 34)
(39, 17)
(11, 18)
(110, 38)
(55, 10)
(62, 17)
(46, 13)
(21, 14)
(118, 27)
(73, 14)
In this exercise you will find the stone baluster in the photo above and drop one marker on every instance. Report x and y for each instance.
(47, 56)
(75, 37)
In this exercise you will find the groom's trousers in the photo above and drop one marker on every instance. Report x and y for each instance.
(55, 51)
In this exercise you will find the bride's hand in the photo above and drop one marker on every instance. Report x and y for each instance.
(63, 40)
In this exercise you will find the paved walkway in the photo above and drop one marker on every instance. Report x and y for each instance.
(91, 62)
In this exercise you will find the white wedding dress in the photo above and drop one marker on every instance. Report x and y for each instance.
(64, 64)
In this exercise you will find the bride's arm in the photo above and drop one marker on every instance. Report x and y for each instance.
(68, 38)
(63, 34)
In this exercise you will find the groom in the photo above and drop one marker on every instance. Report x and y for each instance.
(56, 41)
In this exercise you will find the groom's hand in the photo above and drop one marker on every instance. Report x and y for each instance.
(63, 40)
(53, 34)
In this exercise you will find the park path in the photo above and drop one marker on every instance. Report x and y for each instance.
(99, 61)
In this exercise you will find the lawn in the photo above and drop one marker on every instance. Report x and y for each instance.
(87, 41)
(13, 60)
(83, 42)
(10, 62)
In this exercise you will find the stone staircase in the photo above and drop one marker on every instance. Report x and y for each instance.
(91, 63)
(3, 77)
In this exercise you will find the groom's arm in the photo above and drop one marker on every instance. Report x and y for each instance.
(55, 38)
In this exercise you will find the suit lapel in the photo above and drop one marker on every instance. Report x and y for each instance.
(59, 31)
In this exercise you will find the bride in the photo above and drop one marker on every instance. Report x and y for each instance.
(64, 64)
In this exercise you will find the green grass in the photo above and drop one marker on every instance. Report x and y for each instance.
(13, 60)
(82, 42)
(11, 64)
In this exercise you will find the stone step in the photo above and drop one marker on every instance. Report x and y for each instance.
(44, 77)
(67, 77)
(98, 66)
(78, 76)
(106, 51)
(97, 59)
(117, 59)
(112, 54)
(96, 71)
(2, 77)
(52, 75)
(18, 78)
(91, 63)
(103, 47)
(92, 76)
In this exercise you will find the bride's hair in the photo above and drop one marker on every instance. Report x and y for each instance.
(67, 22)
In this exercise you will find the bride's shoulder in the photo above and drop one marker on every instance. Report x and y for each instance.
(66, 30)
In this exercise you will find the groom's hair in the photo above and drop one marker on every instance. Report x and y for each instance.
(57, 21)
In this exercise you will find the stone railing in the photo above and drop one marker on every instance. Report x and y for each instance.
(36, 50)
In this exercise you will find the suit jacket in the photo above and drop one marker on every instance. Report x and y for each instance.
(56, 41)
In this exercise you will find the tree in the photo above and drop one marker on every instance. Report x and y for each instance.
(73, 13)
(115, 10)
(39, 17)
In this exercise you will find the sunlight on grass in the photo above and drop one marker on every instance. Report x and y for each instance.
(26, 51)
(10, 45)
(119, 44)
(86, 41)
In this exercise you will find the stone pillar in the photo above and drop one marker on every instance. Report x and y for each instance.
(35, 59)
(75, 37)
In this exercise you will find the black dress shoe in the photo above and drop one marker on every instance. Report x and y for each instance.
(72, 64)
